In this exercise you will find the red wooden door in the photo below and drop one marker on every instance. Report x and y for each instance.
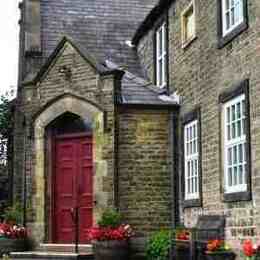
(73, 187)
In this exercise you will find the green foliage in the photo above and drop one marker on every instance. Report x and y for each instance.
(5, 114)
(6, 123)
(110, 218)
(13, 213)
(158, 245)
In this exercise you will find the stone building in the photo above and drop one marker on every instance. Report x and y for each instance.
(91, 130)
(162, 97)
(211, 59)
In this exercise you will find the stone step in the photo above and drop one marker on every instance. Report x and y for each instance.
(50, 255)
(66, 248)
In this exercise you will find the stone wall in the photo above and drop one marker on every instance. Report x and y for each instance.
(145, 163)
(200, 73)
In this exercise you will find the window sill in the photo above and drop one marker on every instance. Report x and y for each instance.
(224, 40)
(192, 203)
(238, 196)
(187, 43)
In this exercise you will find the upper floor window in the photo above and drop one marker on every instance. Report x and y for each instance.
(235, 145)
(236, 142)
(232, 19)
(188, 24)
(233, 14)
(161, 56)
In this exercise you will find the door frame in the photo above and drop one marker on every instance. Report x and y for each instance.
(50, 152)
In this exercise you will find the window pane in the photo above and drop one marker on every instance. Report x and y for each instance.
(237, 13)
(244, 152)
(244, 107)
(230, 183)
(238, 110)
(229, 132)
(228, 115)
(244, 126)
(244, 173)
(240, 173)
(233, 130)
(164, 38)
(160, 43)
(233, 112)
(235, 155)
(189, 169)
(232, 14)
(160, 72)
(230, 156)
(240, 152)
(239, 128)
(227, 20)
(227, 4)
(235, 176)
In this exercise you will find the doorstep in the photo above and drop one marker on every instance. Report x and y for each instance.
(50, 255)
(65, 248)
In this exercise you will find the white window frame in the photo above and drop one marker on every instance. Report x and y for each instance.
(186, 41)
(233, 143)
(191, 160)
(226, 10)
(161, 58)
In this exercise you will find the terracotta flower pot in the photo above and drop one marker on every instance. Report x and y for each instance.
(111, 250)
(226, 255)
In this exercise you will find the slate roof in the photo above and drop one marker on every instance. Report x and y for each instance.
(101, 26)
(139, 91)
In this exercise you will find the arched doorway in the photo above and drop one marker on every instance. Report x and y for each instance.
(70, 164)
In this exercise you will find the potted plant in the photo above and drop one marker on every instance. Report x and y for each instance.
(181, 245)
(158, 246)
(218, 250)
(250, 251)
(110, 237)
(13, 238)
(13, 214)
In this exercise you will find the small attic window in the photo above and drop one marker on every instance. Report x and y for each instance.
(188, 24)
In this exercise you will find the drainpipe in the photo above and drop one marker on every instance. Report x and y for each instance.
(175, 214)
(24, 175)
(117, 95)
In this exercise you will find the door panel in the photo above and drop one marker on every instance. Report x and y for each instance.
(85, 197)
(73, 187)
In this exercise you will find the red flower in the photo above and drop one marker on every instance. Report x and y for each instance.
(183, 235)
(248, 248)
(214, 245)
(13, 232)
(122, 232)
